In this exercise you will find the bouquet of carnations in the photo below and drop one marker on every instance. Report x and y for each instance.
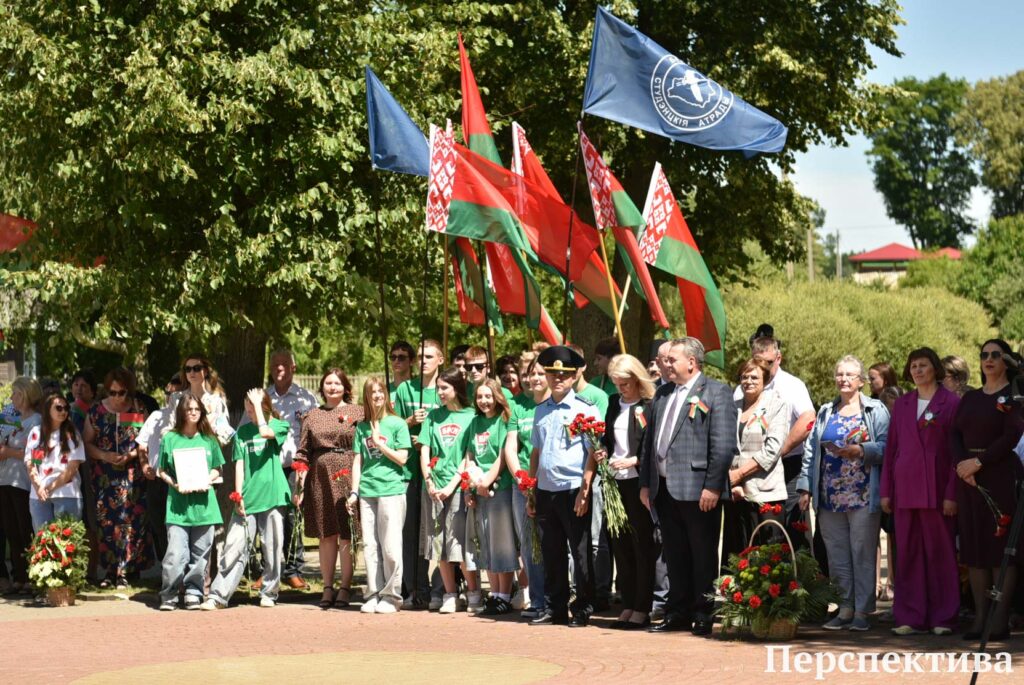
(528, 486)
(58, 555)
(614, 511)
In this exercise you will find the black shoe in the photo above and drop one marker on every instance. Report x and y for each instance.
(619, 624)
(672, 624)
(702, 626)
(632, 625)
(495, 607)
(579, 621)
(550, 619)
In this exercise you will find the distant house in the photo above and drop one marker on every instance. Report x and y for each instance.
(889, 262)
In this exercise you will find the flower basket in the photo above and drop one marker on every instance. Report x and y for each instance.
(60, 596)
(771, 588)
(58, 559)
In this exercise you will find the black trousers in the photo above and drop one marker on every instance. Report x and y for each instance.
(690, 546)
(561, 527)
(414, 567)
(634, 551)
(17, 524)
(156, 514)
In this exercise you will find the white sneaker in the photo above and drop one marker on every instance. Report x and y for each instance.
(448, 604)
(520, 599)
(386, 607)
(475, 599)
(210, 605)
(435, 603)
(267, 603)
(369, 606)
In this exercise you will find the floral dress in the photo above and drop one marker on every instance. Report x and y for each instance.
(327, 445)
(844, 481)
(124, 541)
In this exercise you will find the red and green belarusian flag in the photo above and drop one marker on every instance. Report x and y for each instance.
(668, 244)
(586, 270)
(615, 210)
(469, 284)
(130, 419)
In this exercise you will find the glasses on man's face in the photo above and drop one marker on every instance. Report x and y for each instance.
(194, 369)
(118, 393)
(62, 408)
(476, 366)
(399, 358)
(994, 355)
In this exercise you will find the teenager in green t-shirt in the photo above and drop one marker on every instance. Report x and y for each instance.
(189, 453)
(380, 475)
(261, 496)
(442, 460)
(491, 446)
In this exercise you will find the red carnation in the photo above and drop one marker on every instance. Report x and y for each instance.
(726, 582)
(67, 532)
(776, 509)
(776, 558)
(464, 475)
(1000, 531)
(755, 602)
(69, 548)
(235, 497)
(800, 526)
(766, 569)
(737, 597)
(765, 508)
(65, 562)
(747, 551)
(53, 528)
(774, 589)
(39, 534)
(433, 463)
(793, 585)
(300, 467)
(1004, 520)
(743, 564)
(785, 548)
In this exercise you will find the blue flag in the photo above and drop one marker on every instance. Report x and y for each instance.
(633, 80)
(396, 143)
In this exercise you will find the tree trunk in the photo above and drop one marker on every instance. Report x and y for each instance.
(241, 365)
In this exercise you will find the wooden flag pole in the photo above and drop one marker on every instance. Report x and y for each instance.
(625, 294)
(611, 291)
(380, 284)
(487, 309)
(444, 336)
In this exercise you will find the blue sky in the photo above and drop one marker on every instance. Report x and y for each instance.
(973, 40)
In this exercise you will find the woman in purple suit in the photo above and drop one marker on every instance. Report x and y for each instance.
(919, 489)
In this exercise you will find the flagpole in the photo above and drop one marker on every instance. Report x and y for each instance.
(444, 336)
(423, 308)
(568, 245)
(611, 291)
(487, 308)
(625, 294)
(380, 285)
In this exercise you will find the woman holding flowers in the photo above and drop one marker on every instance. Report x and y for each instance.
(380, 474)
(53, 455)
(919, 487)
(322, 464)
(192, 511)
(443, 535)
(260, 496)
(841, 474)
(756, 475)
(15, 516)
(118, 481)
(634, 549)
(985, 430)
(491, 447)
(531, 578)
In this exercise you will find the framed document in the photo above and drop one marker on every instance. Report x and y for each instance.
(191, 468)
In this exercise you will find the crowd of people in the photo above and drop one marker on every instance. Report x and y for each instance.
(455, 469)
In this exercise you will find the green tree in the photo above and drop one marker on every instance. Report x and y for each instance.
(199, 169)
(993, 274)
(925, 178)
(992, 123)
(936, 272)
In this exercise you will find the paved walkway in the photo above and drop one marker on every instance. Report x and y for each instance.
(129, 641)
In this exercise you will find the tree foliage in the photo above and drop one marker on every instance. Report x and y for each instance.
(199, 170)
(993, 274)
(992, 123)
(921, 172)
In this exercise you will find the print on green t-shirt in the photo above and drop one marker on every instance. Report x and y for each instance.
(378, 475)
(265, 486)
(195, 508)
(485, 441)
(444, 432)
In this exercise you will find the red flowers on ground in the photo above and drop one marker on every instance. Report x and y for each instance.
(743, 564)
(793, 586)
(774, 589)
(737, 597)
(67, 532)
(755, 602)
(53, 528)
(69, 548)
(766, 569)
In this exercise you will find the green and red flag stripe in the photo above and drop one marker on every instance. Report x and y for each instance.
(130, 419)
(615, 210)
(469, 284)
(668, 244)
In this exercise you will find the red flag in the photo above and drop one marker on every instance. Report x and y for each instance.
(465, 266)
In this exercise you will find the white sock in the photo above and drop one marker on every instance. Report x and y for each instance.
(502, 595)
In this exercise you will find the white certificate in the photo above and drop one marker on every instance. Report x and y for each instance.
(191, 468)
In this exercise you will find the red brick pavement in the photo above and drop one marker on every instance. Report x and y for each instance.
(89, 639)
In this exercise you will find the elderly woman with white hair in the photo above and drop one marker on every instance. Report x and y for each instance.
(841, 477)
(634, 550)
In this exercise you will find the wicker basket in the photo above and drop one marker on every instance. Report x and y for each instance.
(778, 628)
(60, 596)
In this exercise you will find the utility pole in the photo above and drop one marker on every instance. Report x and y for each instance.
(810, 255)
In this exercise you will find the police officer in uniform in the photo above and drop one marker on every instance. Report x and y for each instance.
(562, 508)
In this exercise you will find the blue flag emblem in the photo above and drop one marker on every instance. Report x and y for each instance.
(633, 80)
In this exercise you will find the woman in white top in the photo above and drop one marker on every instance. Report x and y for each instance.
(14, 483)
(634, 550)
(756, 476)
(203, 382)
(53, 453)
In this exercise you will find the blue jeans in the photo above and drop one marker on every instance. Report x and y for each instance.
(188, 549)
(524, 531)
(44, 512)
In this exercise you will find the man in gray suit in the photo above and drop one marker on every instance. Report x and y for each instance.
(684, 468)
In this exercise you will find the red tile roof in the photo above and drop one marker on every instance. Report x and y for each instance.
(893, 252)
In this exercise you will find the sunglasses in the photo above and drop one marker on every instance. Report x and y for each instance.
(195, 369)
(399, 358)
(118, 393)
(476, 367)
(63, 408)
(991, 355)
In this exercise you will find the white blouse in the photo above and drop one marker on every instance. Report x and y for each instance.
(56, 459)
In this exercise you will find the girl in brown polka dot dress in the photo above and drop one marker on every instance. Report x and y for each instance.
(326, 446)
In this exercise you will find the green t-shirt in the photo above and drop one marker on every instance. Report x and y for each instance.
(407, 401)
(604, 384)
(445, 432)
(596, 397)
(265, 486)
(485, 440)
(195, 508)
(524, 418)
(378, 475)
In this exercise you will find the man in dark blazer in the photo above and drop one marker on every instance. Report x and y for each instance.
(684, 468)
